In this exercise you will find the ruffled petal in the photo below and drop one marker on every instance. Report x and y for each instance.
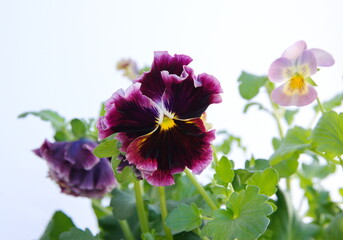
(163, 153)
(294, 51)
(280, 70)
(306, 64)
(131, 112)
(80, 154)
(189, 96)
(284, 98)
(152, 83)
(324, 59)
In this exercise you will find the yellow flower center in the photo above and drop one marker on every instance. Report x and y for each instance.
(296, 83)
(167, 123)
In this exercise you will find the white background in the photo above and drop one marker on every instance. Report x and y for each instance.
(61, 55)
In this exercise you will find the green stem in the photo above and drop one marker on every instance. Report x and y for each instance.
(201, 190)
(142, 215)
(320, 106)
(164, 212)
(326, 157)
(215, 156)
(126, 230)
(123, 223)
(275, 114)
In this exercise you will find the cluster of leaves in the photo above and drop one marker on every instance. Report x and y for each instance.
(64, 130)
(249, 202)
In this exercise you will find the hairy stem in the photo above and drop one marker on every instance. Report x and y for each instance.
(164, 212)
(201, 190)
(142, 215)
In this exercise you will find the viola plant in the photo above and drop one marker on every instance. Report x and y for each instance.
(141, 153)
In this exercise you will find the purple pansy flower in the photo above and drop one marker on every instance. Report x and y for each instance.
(76, 170)
(158, 119)
(295, 66)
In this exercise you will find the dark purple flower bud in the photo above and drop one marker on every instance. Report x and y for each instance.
(76, 170)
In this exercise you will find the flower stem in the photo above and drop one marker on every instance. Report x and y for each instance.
(126, 230)
(215, 156)
(142, 215)
(320, 106)
(201, 190)
(123, 223)
(275, 113)
(164, 212)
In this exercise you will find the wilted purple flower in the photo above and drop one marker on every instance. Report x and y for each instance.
(158, 119)
(76, 170)
(129, 67)
(295, 66)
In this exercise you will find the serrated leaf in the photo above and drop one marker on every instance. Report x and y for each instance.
(106, 149)
(58, 224)
(123, 204)
(184, 218)
(78, 128)
(285, 158)
(265, 180)
(54, 118)
(259, 164)
(250, 84)
(334, 230)
(315, 169)
(78, 234)
(289, 116)
(327, 136)
(241, 178)
(224, 172)
(245, 217)
(336, 101)
(285, 224)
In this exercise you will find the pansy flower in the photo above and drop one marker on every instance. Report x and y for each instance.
(158, 119)
(295, 67)
(76, 170)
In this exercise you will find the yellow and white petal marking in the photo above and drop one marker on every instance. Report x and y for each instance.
(166, 121)
(296, 84)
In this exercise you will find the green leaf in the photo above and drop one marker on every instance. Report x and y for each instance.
(327, 135)
(184, 218)
(224, 172)
(258, 164)
(77, 234)
(285, 224)
(315, 169)
(54, 118)
(265, 180)
(245, 217)
(285, 158)
(289, 116)
(335, 229)
(124, 176)
(250, 84)
(123, 204)
(106, 149)
(58, 224)
(241, 178)
(78, 128)
(250, 104)
(336, 101)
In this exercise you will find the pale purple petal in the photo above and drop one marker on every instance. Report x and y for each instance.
(280, 70)
(284, 98)
(324, 59)
(294, 51)
(307, 64)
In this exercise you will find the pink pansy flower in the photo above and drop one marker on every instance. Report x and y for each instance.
(295, 67)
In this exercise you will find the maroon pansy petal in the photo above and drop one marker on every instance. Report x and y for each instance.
(152, 82)
(189, 96)
(131, 113)
(165, 152)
